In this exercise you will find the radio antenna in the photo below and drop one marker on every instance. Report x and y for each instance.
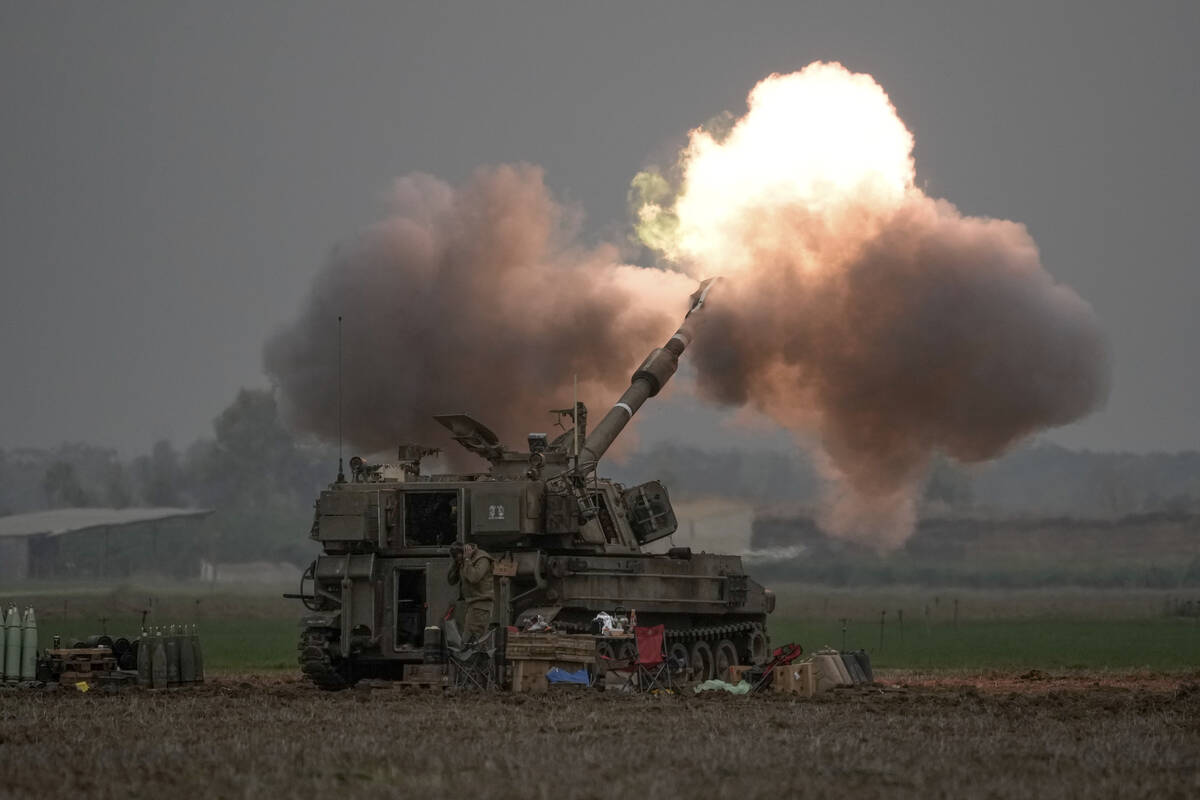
(341, 476)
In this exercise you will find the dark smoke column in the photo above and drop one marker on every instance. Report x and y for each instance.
(647, 381)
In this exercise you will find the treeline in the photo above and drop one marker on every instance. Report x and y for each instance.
(259, 477)
(1039, 479)
(262, 479)
(844, 571)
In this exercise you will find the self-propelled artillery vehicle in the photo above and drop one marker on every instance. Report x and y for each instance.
(566, 545)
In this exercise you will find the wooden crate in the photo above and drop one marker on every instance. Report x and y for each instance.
(77, 654)
(793, 679)
(737, 674)
(578, 649)
(75, 664)
(89, 667)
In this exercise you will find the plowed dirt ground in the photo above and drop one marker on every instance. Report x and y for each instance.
(995, 735)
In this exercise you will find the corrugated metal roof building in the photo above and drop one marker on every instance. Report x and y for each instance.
(28, 542)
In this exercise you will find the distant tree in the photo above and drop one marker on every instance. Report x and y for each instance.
(1191, 575)
(254, 461)
(1112, 489)
(117, 491)
(948, 485)
(160, 475)
(62, 488)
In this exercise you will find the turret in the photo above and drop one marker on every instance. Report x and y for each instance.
(647, 381)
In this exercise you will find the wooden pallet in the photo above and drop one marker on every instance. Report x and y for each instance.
(75, 664)
(440, 683)
(424, 673)
(71, 677)
(80, 653)
(89, 667)
(578, 649)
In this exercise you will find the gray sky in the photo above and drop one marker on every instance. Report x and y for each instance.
(173, 173)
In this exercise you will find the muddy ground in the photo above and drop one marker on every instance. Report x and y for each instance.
(996, 735)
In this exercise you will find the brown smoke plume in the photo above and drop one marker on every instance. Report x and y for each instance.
(869, 319)
(476, 299)
(861, 312)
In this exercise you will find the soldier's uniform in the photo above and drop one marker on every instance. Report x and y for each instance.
(476, 590)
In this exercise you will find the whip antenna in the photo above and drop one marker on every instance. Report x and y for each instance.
(341, 476)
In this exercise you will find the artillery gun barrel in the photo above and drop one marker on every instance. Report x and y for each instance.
(647, 381)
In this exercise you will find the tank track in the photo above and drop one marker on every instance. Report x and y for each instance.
(684, 634)
(711, 631)
(316, 663)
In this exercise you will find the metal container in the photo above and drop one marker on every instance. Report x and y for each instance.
(433, 645)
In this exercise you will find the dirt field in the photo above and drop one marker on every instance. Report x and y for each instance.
(1000, 735)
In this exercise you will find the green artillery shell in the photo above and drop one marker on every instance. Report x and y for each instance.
(187, 659)
(198, 656)
(158, 662)
(12, 645)
(29, 645)
(172, 649)
(143, 660)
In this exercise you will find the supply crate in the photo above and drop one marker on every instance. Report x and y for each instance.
(793, 679)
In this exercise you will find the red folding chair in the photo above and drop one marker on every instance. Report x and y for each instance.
(651, 670)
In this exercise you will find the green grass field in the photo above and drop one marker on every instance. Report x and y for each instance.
(1158, 645)
(1091, 630)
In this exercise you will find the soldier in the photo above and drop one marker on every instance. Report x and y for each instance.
(473, 567)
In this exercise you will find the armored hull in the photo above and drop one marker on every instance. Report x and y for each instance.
(375, 589)
(565, 543)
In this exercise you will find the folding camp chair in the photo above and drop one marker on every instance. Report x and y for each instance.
(651, 670)
(473, 664)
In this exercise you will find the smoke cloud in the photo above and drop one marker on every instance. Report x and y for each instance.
(879, 325)
(860, 313)
(475, 298)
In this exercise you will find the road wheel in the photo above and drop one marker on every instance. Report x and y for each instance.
(724, 656)
(756, 648)
(326, 671)
(677, 654)
(627, 651)
(700, 660)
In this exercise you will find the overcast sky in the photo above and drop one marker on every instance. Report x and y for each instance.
(174, 173)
